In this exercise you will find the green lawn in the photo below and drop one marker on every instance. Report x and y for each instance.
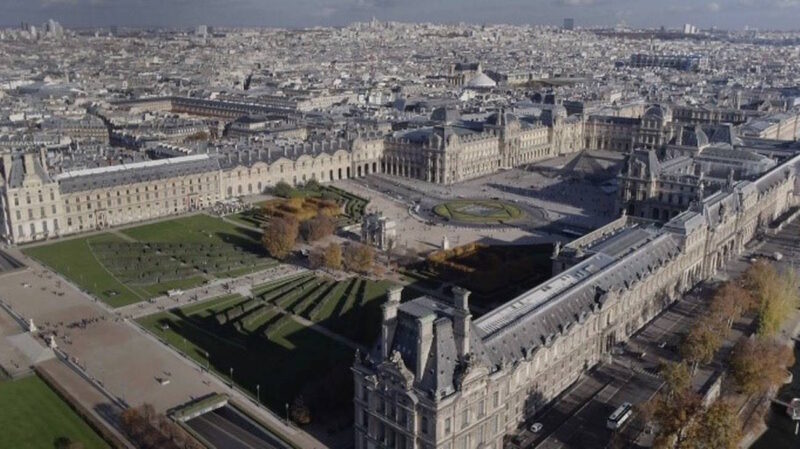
(282, 356)
(478, 211)
(267, 348)
(76, 261)
(33, 416)
(152, 259)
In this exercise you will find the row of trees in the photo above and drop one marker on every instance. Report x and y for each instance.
(683, 422)
(355, 257)
(757, 363)
(281, 233)
(774, 295)
(151, 430)
(704, 339)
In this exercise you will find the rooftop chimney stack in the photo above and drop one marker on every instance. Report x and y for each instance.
(424, 343)
(461, 320)
(389, 318)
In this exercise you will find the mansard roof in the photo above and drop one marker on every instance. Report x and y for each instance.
(535, 318)
(445, 115)
(691, 136)
(441, 362)
(115, 175)
(646, 158)
(233, 154)
(17, 172)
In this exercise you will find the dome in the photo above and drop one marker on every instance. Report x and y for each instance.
(481, 81)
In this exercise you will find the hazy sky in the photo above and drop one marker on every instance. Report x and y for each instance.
(778, 14)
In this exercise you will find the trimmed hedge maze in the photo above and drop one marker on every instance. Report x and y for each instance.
(353, 207)
(146, 261)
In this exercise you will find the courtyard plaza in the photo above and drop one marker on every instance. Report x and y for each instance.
(423, 234)
(576, 190)
(553, 195)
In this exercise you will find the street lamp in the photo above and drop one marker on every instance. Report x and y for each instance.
(231, 371)
(258, 394)
(287, 413)
(207, 356)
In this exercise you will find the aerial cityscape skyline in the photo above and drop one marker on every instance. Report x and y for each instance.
(389, 234)
(724, 14)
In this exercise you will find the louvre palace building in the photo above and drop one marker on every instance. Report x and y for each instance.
(45, 193)
(691, 197)
(42, 196)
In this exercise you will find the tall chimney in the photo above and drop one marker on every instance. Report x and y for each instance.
(389, 318)
(461, 320)
(424, 342)
(6, 165)
(30, 169)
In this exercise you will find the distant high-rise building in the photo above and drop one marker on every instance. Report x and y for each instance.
(54, 28)
(569, 24)
(202, 30)
(689, 29)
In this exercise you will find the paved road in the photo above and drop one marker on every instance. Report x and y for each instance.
(627, 378)
(226, 428)
(634, 378)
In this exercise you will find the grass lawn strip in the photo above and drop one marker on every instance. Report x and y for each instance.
(32, 416)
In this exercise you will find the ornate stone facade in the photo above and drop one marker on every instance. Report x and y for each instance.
(38, 203)
(455, 150)
(439, 379)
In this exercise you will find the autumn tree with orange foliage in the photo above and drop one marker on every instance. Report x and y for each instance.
(757, 364)
(280, 236)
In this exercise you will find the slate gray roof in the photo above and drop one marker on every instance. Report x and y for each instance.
(17, 173)
(249, 153)
(528, 322)
(441, 363)
(115, 175)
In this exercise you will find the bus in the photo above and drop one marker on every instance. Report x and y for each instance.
(620, 416)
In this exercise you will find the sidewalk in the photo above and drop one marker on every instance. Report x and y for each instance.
(214, 289)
